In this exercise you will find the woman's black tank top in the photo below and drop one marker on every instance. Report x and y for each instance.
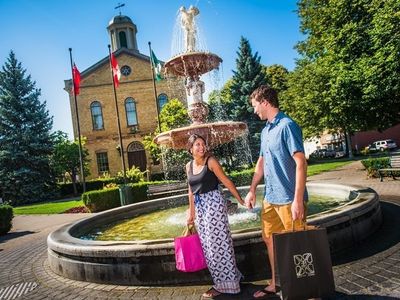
(203, 182)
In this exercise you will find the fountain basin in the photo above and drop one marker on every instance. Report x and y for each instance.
(152, 262)
(214, 133)
(192, 64)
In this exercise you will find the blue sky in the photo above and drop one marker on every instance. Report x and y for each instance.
(41, 31)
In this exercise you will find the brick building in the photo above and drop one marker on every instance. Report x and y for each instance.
(136, 104)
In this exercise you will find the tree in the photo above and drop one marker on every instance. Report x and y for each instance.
(173, 115)
(277, 77)
(248, 76)
(25, 140)
(347, 78)
(65, 158)
(220, 103)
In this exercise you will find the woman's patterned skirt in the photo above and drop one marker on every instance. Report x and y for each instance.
(216, 240)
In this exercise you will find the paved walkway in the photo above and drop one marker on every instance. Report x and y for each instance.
(370, 270)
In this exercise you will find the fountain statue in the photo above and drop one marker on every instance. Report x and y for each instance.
(190, 65)
(187, 19)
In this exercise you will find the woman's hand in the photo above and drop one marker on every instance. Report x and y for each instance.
(241, 201)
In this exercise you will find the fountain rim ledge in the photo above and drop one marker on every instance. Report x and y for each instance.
(62, 241)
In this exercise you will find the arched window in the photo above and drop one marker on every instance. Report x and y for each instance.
(122, 39)
(162, 99)
(130, 109)
(97, 115)
(135, 146)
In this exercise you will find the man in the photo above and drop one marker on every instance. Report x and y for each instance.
(283, 164)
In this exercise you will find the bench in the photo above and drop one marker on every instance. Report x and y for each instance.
(393, 168)
(166, 189)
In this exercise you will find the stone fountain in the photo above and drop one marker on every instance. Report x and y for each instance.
(190, 65)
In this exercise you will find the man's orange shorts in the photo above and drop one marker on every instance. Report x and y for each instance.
(278, 218)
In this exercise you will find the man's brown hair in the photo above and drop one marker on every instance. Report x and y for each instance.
(265, 93)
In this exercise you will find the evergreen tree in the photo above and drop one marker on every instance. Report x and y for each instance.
(25, 138)
(248, 76)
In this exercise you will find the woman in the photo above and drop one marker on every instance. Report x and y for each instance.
(206, 202)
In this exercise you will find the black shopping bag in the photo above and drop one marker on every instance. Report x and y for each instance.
(303, 264)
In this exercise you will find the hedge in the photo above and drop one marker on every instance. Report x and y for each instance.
(242, 178)
(105, 199)
(101, 199)
(373, 164)
(6, 216)
(67, 189)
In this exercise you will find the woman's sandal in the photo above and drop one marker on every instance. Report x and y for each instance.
(211, 293)
(265, 294)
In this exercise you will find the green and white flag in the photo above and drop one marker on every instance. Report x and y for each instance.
(156, 64)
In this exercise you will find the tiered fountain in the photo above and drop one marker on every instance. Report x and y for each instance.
(191, 65)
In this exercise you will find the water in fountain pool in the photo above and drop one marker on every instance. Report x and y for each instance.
(169, 223)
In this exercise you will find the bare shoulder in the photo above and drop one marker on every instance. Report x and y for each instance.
(188, 166)
(212, 162)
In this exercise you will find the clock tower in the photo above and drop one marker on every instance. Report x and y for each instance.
(122, 33)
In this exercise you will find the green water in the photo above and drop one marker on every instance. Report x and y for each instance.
(170, 223)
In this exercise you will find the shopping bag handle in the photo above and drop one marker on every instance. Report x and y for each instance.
(305, 226)
(189, 230)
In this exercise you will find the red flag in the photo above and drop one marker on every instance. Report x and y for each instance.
(115, 70)
(76, 80)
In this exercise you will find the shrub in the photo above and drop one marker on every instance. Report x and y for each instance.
(373, 164)
(157, 177)
(241, 178)
(101, 200)
(6, 216)
(108, 197)
(139, 191)
(66, 189)
(110, 185)
(133, 175)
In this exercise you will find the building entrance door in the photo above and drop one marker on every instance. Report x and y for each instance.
(137, 156)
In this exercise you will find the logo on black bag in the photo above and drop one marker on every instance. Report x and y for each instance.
(304, 265)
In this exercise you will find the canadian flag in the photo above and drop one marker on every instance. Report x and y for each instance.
(115, 69)
(76, 79)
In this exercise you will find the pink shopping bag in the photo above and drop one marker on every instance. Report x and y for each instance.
(189, 255)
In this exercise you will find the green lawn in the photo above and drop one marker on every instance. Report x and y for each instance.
(47, 208)
(315, 169)
(61, 206)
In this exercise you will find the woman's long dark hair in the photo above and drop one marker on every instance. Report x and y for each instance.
(192, 139)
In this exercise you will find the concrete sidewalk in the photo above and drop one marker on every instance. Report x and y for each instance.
(370, 270)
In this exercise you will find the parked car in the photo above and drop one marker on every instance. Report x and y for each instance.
(323, 153)
(382, 145)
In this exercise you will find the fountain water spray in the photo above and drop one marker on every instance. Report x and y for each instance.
(191, 64)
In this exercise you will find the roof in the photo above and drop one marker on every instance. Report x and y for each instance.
(120, 20)
(117, 53)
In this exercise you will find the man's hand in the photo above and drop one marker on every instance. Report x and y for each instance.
(250, 200)
(297, 210)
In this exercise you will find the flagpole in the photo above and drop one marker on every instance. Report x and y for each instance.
(118, 121)
(77, 125)
(155, 90)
